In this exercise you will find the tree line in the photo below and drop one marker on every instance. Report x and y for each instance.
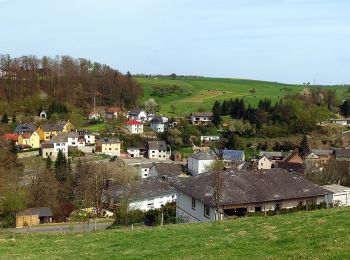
(66, 79)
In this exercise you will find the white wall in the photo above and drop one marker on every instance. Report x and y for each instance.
(158, 127)
(196, 167)
(264, 164)
(89, 139)
(155, 154)
(184, 209)
(152, 202)
(135, 129)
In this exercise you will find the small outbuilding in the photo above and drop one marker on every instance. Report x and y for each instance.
(34, 217)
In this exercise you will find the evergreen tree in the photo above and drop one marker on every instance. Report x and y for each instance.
(14, 119)
(5, 118)
(216, 113)
(304, 144)
(48, 162)
(345, 108)
(61, 167)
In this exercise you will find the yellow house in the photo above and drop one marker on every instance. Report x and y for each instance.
(110, 146)
(30, 139)
(64, 126)
(47, 131)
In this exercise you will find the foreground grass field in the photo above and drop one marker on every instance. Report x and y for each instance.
(322, 234)
(200, 92)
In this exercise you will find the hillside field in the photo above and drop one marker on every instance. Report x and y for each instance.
(321, 234)
(200, 92)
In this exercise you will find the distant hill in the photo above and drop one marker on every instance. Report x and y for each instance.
(193, 93)
(321, 234)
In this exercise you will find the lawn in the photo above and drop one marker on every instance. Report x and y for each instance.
(322, 234)
(200, 92)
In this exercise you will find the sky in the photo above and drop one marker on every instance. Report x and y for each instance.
(291, 41)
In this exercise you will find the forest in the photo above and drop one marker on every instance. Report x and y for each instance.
(65, 79)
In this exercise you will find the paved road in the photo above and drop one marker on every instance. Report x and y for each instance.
(61, 228)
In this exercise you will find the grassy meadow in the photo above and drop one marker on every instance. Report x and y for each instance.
(321, 234)
(200, 92)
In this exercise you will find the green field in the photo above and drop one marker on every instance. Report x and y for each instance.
(200, 92)
(322, 234)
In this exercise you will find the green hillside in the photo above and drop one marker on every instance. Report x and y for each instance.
(200, 92)
(322, 234)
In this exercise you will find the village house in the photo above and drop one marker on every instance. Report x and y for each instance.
(64, 126)
(158, 125)
(114, 113)
(31, 140)
(232, 155)
(210, 138)
(274, 157)
(340, 195)
(158, 150)
(165, 170)
(134, 152)
(143, 169)
(200, 162)
(46, 131)
(264, 163)
(292, 162)
(11, 138)
(60, 143)
(43, 115)
(109, 146)
(138, 114)
(145, 195)
(47, 150)
(134, 126)
(150, 116)
(242, 192)
(341, 121)
(318, 156)
(342, 154)
(33, 217)
(201, 118)
(24, 128)
(93, 115)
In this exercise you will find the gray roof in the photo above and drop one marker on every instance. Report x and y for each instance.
(42, 212)
(109, 140)
(249, 187)
(63, 137)
(270, 154)
(136, 111)
(324, 152)
(144, 189)
(203, 156)
(157, 145)
(167, 169)
(49, 127)
(23, 128)
(200, 114)
(46, 145)
(335, 188)
(157, 120)
(342, 153)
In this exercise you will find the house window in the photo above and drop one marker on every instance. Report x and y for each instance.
(277, 206)
(206, 211)
(150, 205)
(193, 203)
(258, 209)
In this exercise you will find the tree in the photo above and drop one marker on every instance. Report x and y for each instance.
(151, 105)
(216, 113)
(234, 142)
(173, 108)
(345, 108)
(304, 144)
(14, 119)
(217, 185)
(5, 118)
(173, 76)
(61, 166)
(48, 162)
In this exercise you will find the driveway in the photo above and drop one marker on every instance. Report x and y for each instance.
(73, 227)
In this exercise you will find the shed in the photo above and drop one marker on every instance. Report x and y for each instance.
(34, 217)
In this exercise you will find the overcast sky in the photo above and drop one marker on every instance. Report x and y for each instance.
(290, 41)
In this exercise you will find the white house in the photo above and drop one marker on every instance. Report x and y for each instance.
(134, 152)
(114, 112)
(264, 163)
(60, 142)
(158, 124)
(94, 115)
(148, 194)
(200, 162)
(201, 118)
(143, 169)
(210, 138)
(134, 126)
(89, 138)
(137, 114)
(239, 194)
(341, 121)
(340, 195)
(158, 150)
